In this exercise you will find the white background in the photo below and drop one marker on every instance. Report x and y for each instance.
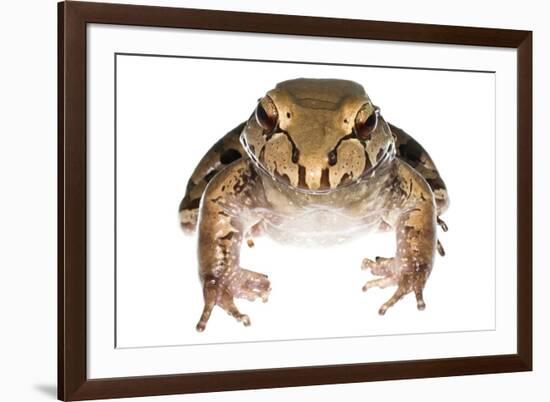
(28, 206)
(172, 110)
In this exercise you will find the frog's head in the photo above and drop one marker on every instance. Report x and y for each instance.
(317, 135)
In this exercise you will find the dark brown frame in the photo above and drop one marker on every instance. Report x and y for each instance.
(73, 383)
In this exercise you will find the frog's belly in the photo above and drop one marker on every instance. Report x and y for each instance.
(319, 227)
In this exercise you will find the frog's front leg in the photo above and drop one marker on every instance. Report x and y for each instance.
(415, 227)
(225, 217)
(227, 150)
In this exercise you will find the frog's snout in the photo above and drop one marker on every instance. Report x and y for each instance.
(317, 179)
(313, 174)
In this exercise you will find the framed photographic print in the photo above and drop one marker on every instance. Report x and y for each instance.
(253, 200)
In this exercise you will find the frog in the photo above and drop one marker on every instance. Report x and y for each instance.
(315, 160)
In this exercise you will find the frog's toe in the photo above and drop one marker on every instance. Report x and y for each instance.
(398, 295)
(210, 292)
(383, 267)
(380, 266)
(392, 274)
(229, 306)
(381, 283)
(407, 283)
(253, 285)
(367, 264)
(420, 304)
(214, 294)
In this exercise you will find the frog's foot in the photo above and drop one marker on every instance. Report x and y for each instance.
(215, 293)
(394, 273)
(242, 284)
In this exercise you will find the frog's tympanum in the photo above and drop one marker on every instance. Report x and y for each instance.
(315, 162)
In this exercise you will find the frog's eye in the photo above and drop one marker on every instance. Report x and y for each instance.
(266, 114)
(366, 123)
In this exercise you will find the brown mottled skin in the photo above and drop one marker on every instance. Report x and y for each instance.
(315, 161)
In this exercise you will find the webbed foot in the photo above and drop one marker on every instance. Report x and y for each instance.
(240, 283)
(396, 272)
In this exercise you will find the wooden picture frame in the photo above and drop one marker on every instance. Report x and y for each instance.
(73, 382)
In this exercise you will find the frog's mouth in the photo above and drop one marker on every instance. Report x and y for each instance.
(369, 173)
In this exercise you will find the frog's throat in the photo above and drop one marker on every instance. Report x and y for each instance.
(389, 155)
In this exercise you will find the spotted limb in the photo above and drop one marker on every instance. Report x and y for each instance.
(221, 231)
(415, 228)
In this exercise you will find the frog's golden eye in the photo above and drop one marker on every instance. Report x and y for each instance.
(266, 114)
(365, 122)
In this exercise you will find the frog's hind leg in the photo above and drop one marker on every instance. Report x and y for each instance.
(410, 151)
(227, 150)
